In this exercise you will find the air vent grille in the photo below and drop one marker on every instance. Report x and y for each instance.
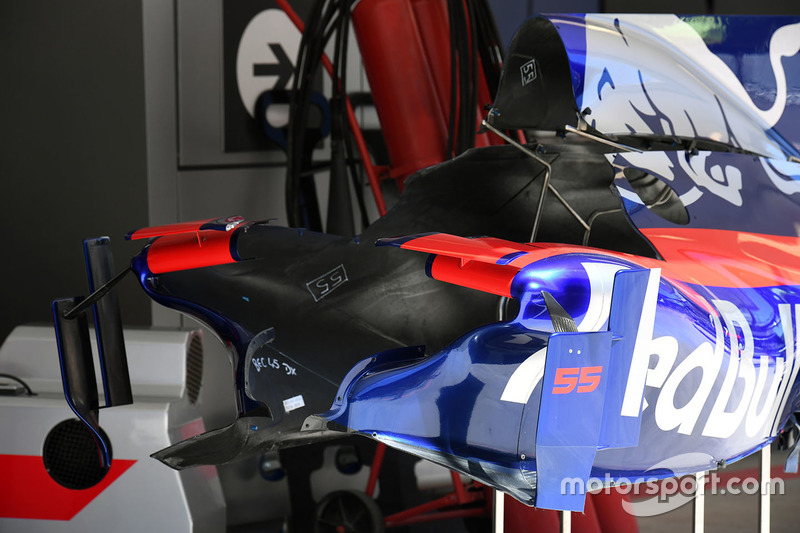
(194, 367)
(71, 457)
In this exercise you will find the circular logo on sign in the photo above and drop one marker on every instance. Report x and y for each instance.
(267, 48)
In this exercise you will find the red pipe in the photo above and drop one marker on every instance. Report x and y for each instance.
(434, 517)
(375, 470)
(586, 522)
(401, 82)
(610, 513)
(424, 512)
(432, 23)
(458, 487)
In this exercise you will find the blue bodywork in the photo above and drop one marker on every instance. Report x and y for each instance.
(701, 366)
(453, 407)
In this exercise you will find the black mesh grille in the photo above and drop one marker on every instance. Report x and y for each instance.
(72, 457)
(194, 368)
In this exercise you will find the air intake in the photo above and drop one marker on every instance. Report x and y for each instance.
(70, 455)
(194, 367)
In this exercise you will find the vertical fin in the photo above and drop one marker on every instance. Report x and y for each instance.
(77, 369)
(570, 415)
(633, 304)
(108, 324)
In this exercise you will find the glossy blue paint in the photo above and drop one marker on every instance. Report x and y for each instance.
(570, 415)
(450, 404)
(716, 188)
(630, 290)
(509, 258)
(743, 44)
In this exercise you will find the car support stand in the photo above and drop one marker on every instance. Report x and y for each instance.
(498, 511)
(699, 504)
(764, 487)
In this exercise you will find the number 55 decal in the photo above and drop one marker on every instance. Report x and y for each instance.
(586, 379)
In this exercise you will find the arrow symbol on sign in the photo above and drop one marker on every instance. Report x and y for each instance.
(283, 68)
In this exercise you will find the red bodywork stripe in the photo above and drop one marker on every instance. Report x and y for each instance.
(190, 250)
(722, 258)
(31, 493)
(484, 249)
(218, 224)
(168, 229)
(486, 277)
(707, 257)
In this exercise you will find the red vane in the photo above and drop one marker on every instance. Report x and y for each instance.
(486, 277)
(167, 229)
(219, 224)
(484, 249)
(709, 257)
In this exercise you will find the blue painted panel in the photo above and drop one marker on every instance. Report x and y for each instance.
(627, 310)
(570, 415)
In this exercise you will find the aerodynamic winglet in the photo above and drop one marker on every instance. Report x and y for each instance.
(484, 249)
(219, 224)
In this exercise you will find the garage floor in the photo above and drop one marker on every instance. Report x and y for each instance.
(728, 513)
(737, 512)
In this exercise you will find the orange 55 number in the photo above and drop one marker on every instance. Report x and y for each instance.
(586, 379)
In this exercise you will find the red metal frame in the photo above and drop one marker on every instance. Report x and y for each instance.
(463, 494)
